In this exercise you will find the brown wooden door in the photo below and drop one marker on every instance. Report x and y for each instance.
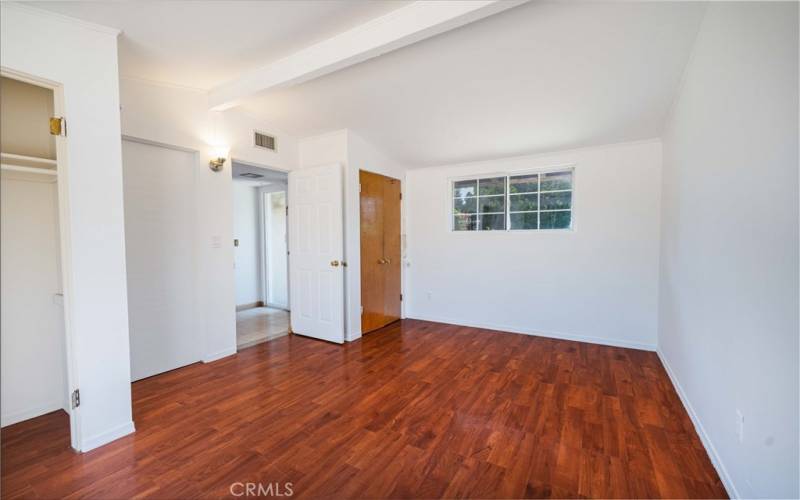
(380, 250)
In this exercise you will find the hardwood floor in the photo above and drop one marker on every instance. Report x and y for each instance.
(416, 409)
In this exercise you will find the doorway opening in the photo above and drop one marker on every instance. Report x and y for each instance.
(261, 259)
(36, 347)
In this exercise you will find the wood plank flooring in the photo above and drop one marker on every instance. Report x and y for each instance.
(415, 410)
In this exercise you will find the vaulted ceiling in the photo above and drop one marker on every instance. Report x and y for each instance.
(539, 77)
(201, 44)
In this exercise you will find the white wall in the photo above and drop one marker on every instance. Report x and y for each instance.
(84, 62)
(354, 153)
(247, 254)
(33, 352)
(597, 283)
(729, 254)
(179, 117)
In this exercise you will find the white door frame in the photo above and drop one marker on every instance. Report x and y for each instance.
(262, 233)
(65, 231)
(264, 220)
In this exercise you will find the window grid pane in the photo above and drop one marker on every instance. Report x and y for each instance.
(542, 200)
(492, 204)
(553, 208)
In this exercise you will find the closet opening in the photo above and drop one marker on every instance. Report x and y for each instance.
(36, 363)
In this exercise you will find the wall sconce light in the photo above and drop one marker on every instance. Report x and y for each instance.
(216, 164)
(218, 161)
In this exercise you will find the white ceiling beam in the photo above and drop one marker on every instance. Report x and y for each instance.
(399, 28)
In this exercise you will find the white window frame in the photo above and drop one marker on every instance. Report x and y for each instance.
(451, 182)
(514, 173)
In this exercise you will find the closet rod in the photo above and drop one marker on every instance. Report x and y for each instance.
(30, 170)
(36, 159)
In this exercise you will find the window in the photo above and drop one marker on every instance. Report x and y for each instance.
(532, 201)
(479, 204)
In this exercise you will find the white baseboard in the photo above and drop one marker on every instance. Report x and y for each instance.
(220, 354)
(282, 307)
(19, 416)
(553, 335)
(716, 460)
(98, 440)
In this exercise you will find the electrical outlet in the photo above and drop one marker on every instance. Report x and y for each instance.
(430, 295)
(740, 425)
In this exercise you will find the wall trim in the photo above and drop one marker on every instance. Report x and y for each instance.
(716, 459)
(108, 30)
(219, 355)
(141, 140)
(19, 416)
(99, 440)
(251, 305)
(553, 335)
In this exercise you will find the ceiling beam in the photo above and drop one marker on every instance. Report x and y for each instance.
(399, 28)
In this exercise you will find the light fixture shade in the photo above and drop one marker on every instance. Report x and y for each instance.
(219, 154)
(216, 164)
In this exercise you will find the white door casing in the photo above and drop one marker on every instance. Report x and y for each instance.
(316, 248)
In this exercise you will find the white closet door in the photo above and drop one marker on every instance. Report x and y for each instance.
(159, 241)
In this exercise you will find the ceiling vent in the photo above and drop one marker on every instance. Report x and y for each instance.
(250, 175)
(261, 140)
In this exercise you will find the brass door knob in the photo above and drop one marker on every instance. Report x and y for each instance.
(381, 261)
(335, 263)
(387, 261)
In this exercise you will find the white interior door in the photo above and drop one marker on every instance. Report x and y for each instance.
(160, 250)
(316, 247)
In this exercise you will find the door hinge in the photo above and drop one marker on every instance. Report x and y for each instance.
(401, 196)
(359, 187)
(58, 126)
(401, 297)
(76, 398)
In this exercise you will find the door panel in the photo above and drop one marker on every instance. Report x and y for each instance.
(160, 258)
(391, 249)
(380, 250)
(372, 276)
(316, 242)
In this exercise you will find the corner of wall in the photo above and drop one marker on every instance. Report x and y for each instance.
(715, 457)
(98, 440)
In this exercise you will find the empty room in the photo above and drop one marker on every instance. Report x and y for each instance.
(399, 249)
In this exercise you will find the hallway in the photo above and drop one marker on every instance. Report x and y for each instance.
(260, 324)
